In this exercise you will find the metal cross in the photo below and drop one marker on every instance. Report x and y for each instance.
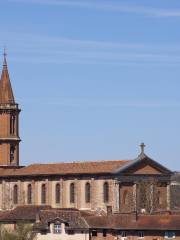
(5, 54)
(142, 147)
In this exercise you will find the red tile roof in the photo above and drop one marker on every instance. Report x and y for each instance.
(73, 168)
(84, 219)
(130, 222)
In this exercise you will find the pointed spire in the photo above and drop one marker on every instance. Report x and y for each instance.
(6, 93)
(5, 55)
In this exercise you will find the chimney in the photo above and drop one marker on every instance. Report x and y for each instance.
(109, 210)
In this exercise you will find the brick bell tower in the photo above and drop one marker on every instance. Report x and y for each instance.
(9, 121)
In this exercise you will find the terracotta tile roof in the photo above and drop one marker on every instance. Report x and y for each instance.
(83, 220)
(45, 214)
(130, 222)
(72, 168)
(24, 213)
(72, 217)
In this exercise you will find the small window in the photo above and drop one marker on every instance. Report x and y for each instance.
(106, 192)
(15, 194)
(29, 194)
(12, 150)
(159, 198)
(43, 194)
(140, 234)
(57, 228)
(104, 232)
(123, 234)
(12, 124)
(72, 193)
(87, 192)
(94, 233)
(58, 193)
(170, 234)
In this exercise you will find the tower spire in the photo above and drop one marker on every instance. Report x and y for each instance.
(5, 60)
(6, 92)
(9, 120)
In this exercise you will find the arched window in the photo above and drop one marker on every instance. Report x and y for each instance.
(87, 192)
(125, 197)
(58, 193)
(159, 198)
(43, 193)
(72, 193)
(15, 194)
(29, 194)
(12, 150)
(106, 192)
(12, 124)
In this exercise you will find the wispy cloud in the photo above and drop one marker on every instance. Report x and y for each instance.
(49, 49)
(106, 6)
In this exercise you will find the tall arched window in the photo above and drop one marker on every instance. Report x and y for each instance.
(15, 194)
(43, 193)
(29, 194)
(87, 192)
(58, 193)
(12, 151)
(12, 124)
(159, 198)
(72, 193)
(125, 197)
(106, 192)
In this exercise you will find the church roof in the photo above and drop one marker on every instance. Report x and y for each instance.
(6, 93)
(142, 158)
(94, 167)
(72, 168)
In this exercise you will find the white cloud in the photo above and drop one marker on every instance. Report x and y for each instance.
(51, 49)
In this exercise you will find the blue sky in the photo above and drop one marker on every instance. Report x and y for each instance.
(95, 78)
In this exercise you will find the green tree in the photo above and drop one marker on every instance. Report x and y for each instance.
(23, 231)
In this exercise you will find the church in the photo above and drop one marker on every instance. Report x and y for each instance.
(140, 184)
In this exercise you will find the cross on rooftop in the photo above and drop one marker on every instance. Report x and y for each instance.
(5, 54)
(142, 146)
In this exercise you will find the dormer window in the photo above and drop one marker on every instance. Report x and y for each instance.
(57, 228)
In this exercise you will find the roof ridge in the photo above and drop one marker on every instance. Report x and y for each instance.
(81, 161)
